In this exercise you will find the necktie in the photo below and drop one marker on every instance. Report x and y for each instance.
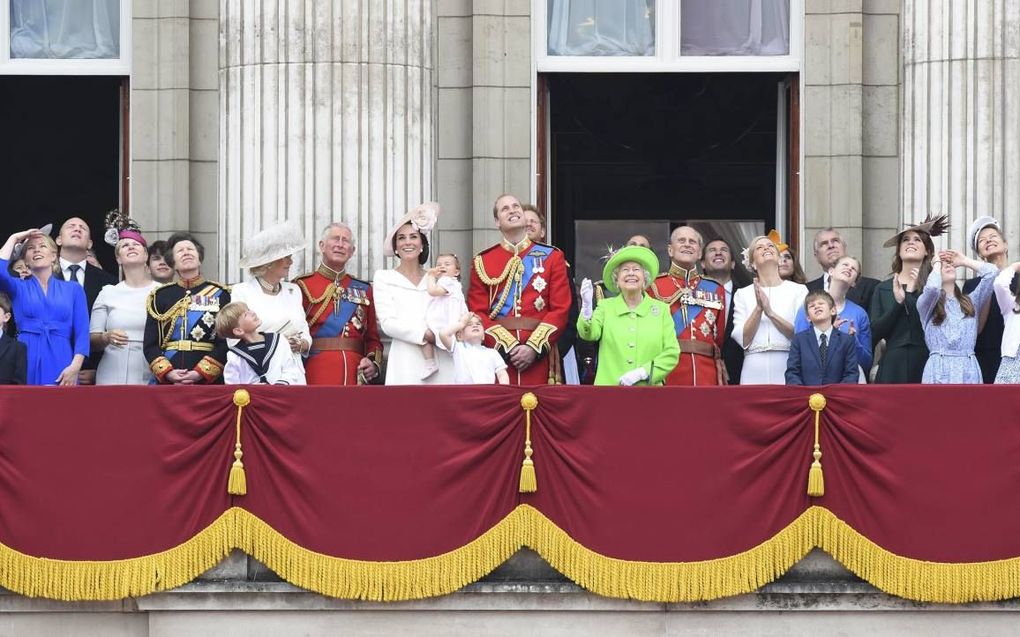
(823, 348)
(74, 268)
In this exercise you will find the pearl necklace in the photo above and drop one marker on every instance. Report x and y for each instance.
(269, 289)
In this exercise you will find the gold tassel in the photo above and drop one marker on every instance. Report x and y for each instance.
(816, 479)
(237, 483)
(529, 483)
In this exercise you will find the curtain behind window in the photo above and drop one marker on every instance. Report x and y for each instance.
(65, 29)
(601, 27)
(735, 27)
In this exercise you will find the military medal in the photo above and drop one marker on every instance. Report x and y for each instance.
(539, 304)
(538, 263)
(538, 283)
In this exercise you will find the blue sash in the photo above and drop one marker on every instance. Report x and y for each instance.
(529, 259)
(335, 322)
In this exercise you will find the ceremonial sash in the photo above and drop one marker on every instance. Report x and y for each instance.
(529, 259)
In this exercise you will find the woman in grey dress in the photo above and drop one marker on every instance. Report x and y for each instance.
(118, 316)
(950, 319)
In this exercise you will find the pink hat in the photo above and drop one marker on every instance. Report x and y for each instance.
(132, 234)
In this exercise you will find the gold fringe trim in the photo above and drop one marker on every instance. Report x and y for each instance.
(524, 526)
(919, 580)
(669, 581)
(118, 579)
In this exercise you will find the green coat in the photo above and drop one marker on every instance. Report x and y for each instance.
(900, 326)
(644, 337)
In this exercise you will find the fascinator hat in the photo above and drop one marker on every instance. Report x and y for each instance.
(272, 243)
(931, 226)
(120, 226)
(422, 218)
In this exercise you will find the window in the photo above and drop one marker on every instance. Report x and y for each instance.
(601, 27)
(668, 35)
(56, 37)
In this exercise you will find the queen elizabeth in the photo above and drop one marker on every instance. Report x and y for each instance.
(635, 333)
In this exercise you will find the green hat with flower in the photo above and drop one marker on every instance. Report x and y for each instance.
(638, 254)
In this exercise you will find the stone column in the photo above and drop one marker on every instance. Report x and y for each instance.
(326, 114)
(961, 116)
(173, 121)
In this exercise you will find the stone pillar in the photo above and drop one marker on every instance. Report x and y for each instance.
(961, 131)
(326, 114)
(173, 121)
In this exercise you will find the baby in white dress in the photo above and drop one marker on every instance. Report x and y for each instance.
(445, 308)
(473, 363)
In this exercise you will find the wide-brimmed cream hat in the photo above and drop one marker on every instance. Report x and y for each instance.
(422, 218)
(272, 243)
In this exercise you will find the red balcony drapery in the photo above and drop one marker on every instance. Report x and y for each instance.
(669, 494)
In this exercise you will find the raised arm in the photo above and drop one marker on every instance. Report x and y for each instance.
(1003, 296)
(930, 294)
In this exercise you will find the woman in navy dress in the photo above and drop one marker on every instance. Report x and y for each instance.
(52, 314)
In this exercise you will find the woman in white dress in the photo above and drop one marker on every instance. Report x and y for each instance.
(401, 298)
(763, 316)
(267, 255)
(118, 315)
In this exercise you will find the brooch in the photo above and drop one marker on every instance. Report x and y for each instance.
(655, 310)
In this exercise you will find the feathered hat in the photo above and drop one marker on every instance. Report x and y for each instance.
(932, 226)
(120, 226)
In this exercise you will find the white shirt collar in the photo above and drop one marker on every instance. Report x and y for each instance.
(818, 334)
(65, 264)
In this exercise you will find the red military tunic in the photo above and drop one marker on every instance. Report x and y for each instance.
(340, 312)
(698, 306)
(522, 295)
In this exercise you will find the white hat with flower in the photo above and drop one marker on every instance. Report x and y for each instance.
(422, 218)
(272, 243)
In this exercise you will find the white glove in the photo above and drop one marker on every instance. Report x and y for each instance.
(586, 293)
(633, 376)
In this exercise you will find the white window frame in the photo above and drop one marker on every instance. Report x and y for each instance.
(667, 58)
(21, 66)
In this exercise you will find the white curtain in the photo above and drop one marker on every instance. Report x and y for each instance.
(735, 27)
(65, 29)
(601, 27)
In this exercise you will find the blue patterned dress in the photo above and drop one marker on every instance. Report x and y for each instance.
(53, 325)
(951, 345)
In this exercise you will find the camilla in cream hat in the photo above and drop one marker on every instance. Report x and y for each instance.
(268, 258)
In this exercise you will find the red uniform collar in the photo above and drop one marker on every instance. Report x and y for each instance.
(518, 248)
(689, 276)
(190, 284)
(330, 273)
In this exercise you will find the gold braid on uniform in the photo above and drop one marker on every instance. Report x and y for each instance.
(514, 269)
(165, 320)
(331, 290)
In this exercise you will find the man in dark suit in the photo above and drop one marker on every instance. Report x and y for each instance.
(75, 240)
(717, 264)
(821, 355)
(829, 248)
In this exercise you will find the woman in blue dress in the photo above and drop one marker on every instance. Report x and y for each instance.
(950, 319)
(851, 318)
(52, 314)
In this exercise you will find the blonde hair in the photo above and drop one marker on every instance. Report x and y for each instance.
(228, 317)
(54, 248)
